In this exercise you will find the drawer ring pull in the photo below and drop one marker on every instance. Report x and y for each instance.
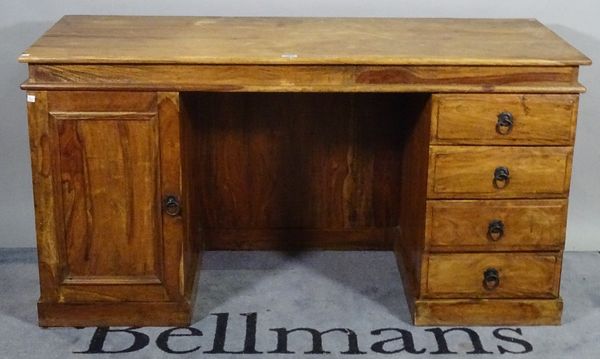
(172, 206)
(501, 177)
(495, 230)
(491, 279)
(505, 122)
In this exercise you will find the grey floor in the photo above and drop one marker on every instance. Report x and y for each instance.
(358, 292)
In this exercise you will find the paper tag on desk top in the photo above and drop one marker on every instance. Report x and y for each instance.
(31, 98)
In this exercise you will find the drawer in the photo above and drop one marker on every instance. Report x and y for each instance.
(496, 225)
(499, 172)
(504, 119)
(493, 275)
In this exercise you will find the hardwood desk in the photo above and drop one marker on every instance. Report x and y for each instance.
(448, 141)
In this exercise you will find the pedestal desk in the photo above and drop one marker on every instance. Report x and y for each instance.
(154, 138)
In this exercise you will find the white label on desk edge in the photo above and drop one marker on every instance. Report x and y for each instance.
(289, 56)
(31, 98)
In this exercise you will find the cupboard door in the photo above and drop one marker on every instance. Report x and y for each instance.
(105, 158)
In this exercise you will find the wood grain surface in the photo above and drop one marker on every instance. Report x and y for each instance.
(488, 312)
(221, 40)
(468, 171)
(522, 275)
(48, 222)
(537, 119)
(114, 314)
(272, 161)
(104, 158)
(409, 246)
(108, 174)
(305, 78)
(462, 225)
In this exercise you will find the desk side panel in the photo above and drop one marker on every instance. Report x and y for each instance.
(193, 245)
(409, 246)
(50, 249)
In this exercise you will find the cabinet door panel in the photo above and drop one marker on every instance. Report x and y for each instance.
(103, 156)
(108, 174)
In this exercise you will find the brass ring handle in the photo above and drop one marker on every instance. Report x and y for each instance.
(172, 206)
(491, 279)
(495, 230)
(501, 177)
(505, 122)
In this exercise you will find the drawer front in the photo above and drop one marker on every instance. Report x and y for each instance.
(496, 225)
(505, 119)
(499, 172)
(500, 275)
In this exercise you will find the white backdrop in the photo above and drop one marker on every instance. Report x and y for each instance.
(22, 21)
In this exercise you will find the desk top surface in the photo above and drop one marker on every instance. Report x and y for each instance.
(289, 41)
